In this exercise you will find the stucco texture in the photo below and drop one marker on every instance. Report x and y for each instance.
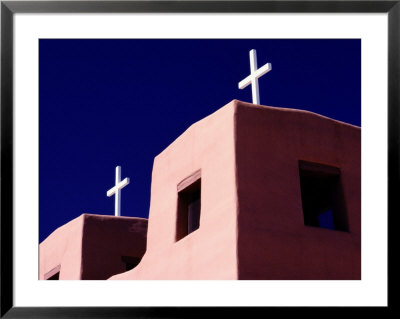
(251, 221)
(92, 246)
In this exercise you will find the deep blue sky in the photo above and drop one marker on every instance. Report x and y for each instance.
(104, 103)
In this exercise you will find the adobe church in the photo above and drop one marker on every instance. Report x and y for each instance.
(249, 192)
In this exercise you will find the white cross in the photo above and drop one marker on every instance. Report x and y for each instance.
(117, 190)
(254, 75)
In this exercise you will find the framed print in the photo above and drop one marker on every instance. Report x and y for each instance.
(154, 100)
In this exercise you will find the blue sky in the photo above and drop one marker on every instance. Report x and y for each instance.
(104, 103)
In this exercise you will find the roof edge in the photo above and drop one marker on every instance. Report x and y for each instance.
(291, 110)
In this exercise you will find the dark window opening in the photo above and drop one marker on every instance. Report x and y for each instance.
(53, 274)
(325, 219)
(189, 206)
(56, 276)
(130, 262)
(322, 196)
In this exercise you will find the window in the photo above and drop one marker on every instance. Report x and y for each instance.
(55, 277)
(322, 196)
(53, 274)
(189, 206)
(130, 262)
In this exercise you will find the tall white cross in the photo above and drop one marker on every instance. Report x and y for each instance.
(254, 75)
(117, 190)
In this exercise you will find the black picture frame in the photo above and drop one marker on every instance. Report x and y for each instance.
(9, 8)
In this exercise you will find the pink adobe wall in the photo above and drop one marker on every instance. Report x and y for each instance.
(92, 246)
(106, 239)
(210, 251)
(273, 242)
(63, 247)
(251, 224)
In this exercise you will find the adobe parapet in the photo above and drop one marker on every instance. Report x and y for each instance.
(93, 247)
